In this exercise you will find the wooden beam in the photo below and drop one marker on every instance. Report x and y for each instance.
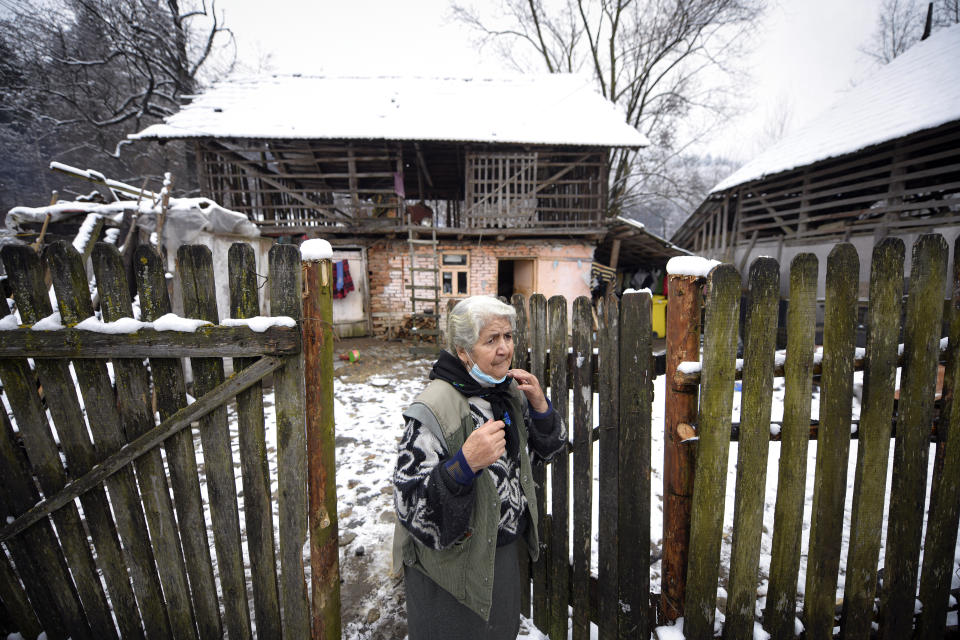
(211, 341)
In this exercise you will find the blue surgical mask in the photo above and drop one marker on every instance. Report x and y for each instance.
(480, 376)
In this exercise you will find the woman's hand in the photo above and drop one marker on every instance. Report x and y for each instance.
(485, 445)
(528, 383)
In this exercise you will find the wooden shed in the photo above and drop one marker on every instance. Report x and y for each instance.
(884, 160)
(443, 187)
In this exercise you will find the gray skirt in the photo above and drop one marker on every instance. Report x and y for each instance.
(434, 614)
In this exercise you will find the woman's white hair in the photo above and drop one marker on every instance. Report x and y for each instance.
(470, 315)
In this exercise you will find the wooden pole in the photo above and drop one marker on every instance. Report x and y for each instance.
(683, 343)
(321, 463)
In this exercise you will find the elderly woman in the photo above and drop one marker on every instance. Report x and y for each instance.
(464, 494)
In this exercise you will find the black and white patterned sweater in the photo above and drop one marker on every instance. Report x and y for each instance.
(435, 505)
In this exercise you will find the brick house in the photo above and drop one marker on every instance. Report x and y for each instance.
(429, 189)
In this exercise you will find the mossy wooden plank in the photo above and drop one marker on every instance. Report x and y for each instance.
(285, 291)
(709, 489)
(520, 357)
(609, 464)
(582, 465)
(168, 385)
(39, 560)
(195, 266)
(870, 479)
(833, 444)
(206, 341)
(54, 376)
(759, 344)
(135, 408)
(792, 473)
(16, 605)
(942, 518)
(245, 303)
(921, 336)
(179, 421)
(322, 523)
(559, 573)
(538, 355)
(106, 425)
(635, 381)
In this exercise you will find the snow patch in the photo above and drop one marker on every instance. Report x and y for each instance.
(316, 249)
(690, 266)
(51, 323)
(260, 324)
(173, 322)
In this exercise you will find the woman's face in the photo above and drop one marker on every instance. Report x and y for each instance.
(493, 351)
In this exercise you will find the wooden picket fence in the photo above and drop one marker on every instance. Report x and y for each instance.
(697, 447)
(99, 465)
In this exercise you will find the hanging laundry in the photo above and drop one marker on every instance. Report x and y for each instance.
(342, 282)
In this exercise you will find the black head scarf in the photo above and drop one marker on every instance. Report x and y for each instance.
(450, 369)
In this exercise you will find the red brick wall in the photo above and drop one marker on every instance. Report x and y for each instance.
(388, 262)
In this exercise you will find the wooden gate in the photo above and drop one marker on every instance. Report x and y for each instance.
(614, 593)
(113, 527)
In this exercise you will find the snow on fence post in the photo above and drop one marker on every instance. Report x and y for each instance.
(321, 465)
(680, 407)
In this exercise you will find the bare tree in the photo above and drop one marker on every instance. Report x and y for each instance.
(668, 65)
(901, 24)
(88, 72)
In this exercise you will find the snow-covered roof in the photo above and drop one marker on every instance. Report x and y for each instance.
(533, 109)
(918, 90)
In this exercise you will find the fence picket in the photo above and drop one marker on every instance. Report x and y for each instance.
(168, 384)
(538, 356)
(254, 470)
(716, 404)
(609, 462)
(35, 552)
(915, 414)
(560, 475)
(13, 595)
(100, 402)
(520, 362)
(944, 513)
(780, 613)
(57, 382)
(870, 483)
(195, 265)
(833, 443)
(136, 416)
(582, 464)
(285, 299)
(758, 358)
(635, 382)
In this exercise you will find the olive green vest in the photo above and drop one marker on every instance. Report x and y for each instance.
(466, 569)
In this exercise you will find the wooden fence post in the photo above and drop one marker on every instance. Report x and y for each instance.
(559, 578)
(538, 355)
(582, 464)
(683, 344)
(520, 357)
(321, 462)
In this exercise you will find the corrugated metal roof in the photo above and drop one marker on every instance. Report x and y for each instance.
(918, 90)
(541, 109)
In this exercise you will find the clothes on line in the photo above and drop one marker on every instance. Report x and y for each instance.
(342, 282)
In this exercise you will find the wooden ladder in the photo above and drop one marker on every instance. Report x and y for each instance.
(425, 294)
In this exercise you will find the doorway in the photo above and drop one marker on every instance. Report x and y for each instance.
(516, 276)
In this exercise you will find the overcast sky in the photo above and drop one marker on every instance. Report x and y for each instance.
(806, 53)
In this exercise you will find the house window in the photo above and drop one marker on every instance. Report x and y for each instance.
(454, 269)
